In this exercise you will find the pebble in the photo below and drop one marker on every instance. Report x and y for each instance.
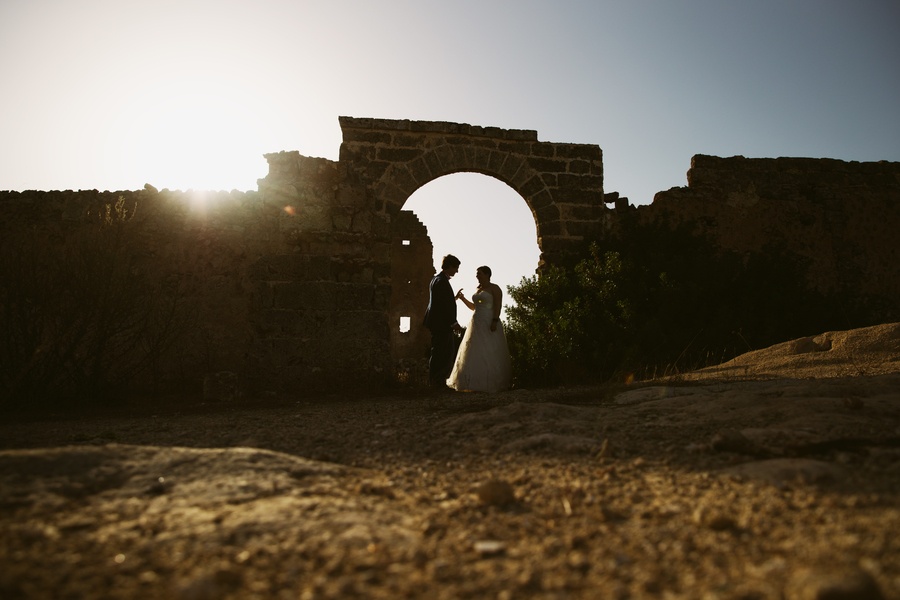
(490, 547)
(496, 493)
(855, 584)
(714, 519)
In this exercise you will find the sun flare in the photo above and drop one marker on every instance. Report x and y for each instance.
(191, 138)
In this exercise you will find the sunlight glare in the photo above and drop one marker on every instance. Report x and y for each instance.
(187, 137)
(199, 200)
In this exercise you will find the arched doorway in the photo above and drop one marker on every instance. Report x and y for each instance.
(383, 163)
(325, 299)
(477, 218)
(482, 221)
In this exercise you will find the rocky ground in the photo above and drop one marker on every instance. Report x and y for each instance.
(774, 476)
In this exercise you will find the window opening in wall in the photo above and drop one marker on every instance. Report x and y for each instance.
(404, 324)
(406, 242)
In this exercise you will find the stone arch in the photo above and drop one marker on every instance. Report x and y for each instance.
(516, 175)
(383, 162)
(330, 292)
(562, 184)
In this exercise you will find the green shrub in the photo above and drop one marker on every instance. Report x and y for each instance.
(657, 300)
(567, 320)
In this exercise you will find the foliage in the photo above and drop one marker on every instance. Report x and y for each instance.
(568, 319)
(659, 300)
(81, 314)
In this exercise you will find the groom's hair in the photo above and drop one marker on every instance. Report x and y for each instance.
(485, 269)
(449, 262)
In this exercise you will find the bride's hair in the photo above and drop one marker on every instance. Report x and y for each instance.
(486, 270)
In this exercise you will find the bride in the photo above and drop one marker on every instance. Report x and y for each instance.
(483, 363)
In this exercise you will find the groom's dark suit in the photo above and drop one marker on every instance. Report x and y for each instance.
(439, 319)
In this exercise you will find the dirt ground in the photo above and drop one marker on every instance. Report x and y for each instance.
(774, 476)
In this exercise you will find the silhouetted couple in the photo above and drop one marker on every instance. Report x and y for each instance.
(482, 363)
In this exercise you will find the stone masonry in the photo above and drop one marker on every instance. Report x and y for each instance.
(841, 218)
(347, 217)
(304, 284)
(383, 162)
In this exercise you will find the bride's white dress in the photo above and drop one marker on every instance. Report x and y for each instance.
(482, 364)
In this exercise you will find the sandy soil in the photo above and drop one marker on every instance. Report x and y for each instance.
(774, 476)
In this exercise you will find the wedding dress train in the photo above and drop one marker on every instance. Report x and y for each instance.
(482, 363)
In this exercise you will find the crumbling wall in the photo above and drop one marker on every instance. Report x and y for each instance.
(204, 243)
(288, 287)
(322, 299)
(301, 285)
(412, 267)
(840, 218)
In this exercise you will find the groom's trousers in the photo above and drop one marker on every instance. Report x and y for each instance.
(443, 348)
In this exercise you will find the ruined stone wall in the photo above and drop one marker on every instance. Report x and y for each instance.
(841, 218)
(302, 284)
(383, 162)
(412, 267)
(325, 295)
(351, 224)
(279, 287)
(207, 243)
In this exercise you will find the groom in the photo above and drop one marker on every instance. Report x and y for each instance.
(440, 319)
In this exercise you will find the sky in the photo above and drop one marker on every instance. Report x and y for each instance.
(190, 94)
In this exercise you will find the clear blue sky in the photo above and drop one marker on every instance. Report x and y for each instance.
(112, 94)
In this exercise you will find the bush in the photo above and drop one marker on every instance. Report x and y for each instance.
(657, 300)
(568, 319)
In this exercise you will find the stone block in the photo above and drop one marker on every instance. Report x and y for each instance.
(584, 229)
(547, 214)
(262, 295)
(403, 179)
(512, 166)
(532, 187)
(550, 180)
(548, 165)
(584, 197)
(279, 267)
(577, 212)
(588, 152)
(342, 220)
(515, 147)
(541, 149)
(420, 171)
(359, 136)
(580, 167)
(396, 155)
(581, 182)
(549, 228)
